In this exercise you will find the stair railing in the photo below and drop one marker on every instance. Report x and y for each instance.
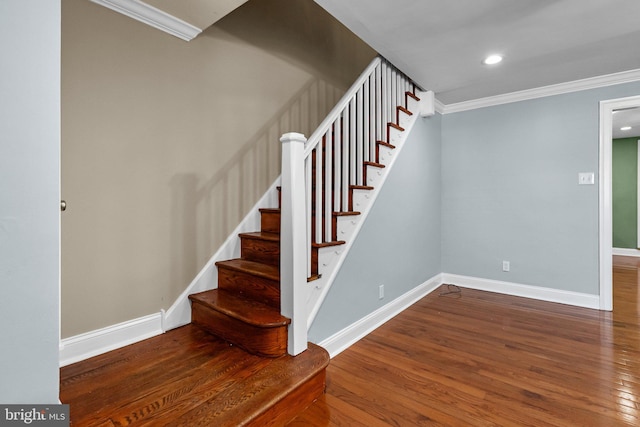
(332, 163)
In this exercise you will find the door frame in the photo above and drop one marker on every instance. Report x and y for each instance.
(605, 195)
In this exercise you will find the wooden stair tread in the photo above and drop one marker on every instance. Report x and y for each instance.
(261, 235)
(361, 187)
(269, 210)
(404, 110)
(189, 377)
(374, 164)
(246, 310)
(347, 213)
(266, 271)
(396, 126)
(412, 95)
(328, 244)
(386, 144)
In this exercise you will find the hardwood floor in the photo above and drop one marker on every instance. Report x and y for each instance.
(188, 377)
(484, 359)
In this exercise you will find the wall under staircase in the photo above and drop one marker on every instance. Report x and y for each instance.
(398, 246)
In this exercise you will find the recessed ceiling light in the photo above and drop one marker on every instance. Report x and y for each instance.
(625, 128)
(492, 59)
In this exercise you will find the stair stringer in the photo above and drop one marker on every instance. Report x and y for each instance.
(330, 259)
(179, 314)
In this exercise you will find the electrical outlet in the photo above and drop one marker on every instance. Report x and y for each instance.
(506, 266)
(380, 291)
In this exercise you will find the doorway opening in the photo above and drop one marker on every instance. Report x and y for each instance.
(607, 108)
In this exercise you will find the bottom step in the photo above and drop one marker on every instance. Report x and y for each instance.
(258, 328)
(187, 377)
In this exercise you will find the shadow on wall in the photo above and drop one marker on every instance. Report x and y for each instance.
(323, 44)
(201, 211)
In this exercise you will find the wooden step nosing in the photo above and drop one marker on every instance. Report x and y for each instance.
(412, 95)
(386, 144)
(269, 210)
(375, 165)
(277, 322)
(268, 236)
(249, 268)
(361, 187)
(244, 319)
(347, 213)
(328, 244)
(395, 126)
(404, 110)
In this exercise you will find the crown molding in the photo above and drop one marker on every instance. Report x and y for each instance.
(152, 16)
(541, 92)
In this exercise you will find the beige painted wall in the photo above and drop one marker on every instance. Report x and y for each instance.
(166, 144)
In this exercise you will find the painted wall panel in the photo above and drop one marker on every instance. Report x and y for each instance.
(30, 206)
(510, 190)
(625, 192)
(399, 244)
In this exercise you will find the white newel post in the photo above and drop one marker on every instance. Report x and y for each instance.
(293, 241)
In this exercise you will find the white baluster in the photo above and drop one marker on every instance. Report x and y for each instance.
(366, 119)
(378, 101)
(359, 143)
(345, 159)
(307, 199)
(372, 119)
(337, 185)
(318, 193)
(328, 185)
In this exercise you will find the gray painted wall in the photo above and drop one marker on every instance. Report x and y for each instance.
(399, 243)
(29, 211)
(510, 190)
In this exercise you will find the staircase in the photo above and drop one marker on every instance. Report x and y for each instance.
(245, 309)
(244, 360)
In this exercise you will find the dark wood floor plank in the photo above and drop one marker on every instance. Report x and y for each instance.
(481, 358)
(166, 379)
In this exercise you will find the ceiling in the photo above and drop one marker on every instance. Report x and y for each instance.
(628, 117)
(440, 44)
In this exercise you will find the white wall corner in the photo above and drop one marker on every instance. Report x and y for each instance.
(527, 291)
(345, 338)
(153, 17)
(440, 107)
(84, 346)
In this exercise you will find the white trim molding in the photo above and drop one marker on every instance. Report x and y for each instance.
(152, 16)
(626, 252)
(345, 338)
(527, 291)
(84, 346)
(541, 92)
(605, 195)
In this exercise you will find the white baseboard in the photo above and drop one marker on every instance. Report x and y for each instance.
(516, 289)
(626, 252)
(342, 340)
(84, 346)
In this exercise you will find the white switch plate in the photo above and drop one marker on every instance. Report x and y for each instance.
(586, 178)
